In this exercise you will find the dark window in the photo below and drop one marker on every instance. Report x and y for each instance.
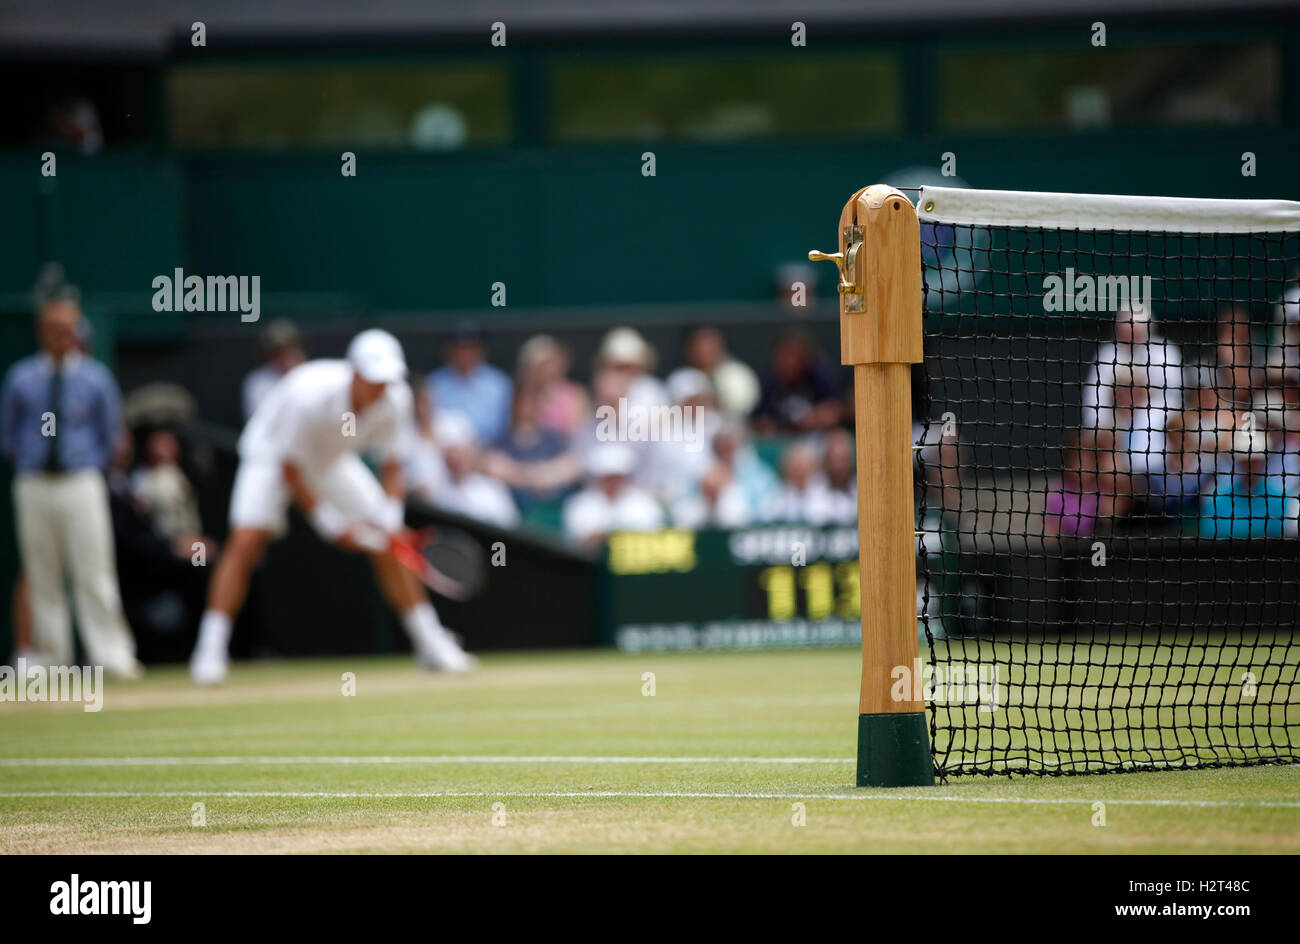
(1047, 89)
(596, 99)
(83, 108)
(359, 105)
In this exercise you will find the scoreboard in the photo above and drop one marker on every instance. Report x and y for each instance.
(774, 586)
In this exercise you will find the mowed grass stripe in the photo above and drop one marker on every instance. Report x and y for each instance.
(272, 760)
(635, 794)
(713, 762)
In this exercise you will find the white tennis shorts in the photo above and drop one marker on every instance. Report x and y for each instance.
(260, 497)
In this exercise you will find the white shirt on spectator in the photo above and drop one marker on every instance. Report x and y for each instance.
(1160, 361)
(592, 513)
(1144, 442)
(676, 465)
(731, 510)
(817, 504)
(426, 470)
(481, 498)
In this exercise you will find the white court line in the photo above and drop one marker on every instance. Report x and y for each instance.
(264, 760)
(638, 794)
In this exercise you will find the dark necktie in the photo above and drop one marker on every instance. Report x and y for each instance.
(53, 463)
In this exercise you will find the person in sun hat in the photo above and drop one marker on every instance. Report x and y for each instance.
(625, 353)
(610, 502)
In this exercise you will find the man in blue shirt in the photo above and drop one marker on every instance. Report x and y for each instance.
(467, 384)
(60, 416)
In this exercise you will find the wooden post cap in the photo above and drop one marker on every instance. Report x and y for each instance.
(880, 307)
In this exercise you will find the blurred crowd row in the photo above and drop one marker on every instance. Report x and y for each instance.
(1207, 446)
(634, 451)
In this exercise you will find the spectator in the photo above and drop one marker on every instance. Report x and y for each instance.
(1176, 489)
(1284, 354)
(1136, 346)
(610, 502)
(804, 497)
(1090, 493)
(1209, 422)
(735, 385)
(542, 371)
(840, 460)
(162, 589)
(469, 492)
(624, 352)
(943, 460)
(610, 392)
(1238, 362)
(74, 121)
(939, 592)
(1247, 503)
(757, 481)
(717, 500)
(61, 415)
(800, 392)
(679, 462)
(535, 461)
(468, 384)
(1281, 424)
(426, 470)
(165, 490)
(1138, 428)
(283, 351)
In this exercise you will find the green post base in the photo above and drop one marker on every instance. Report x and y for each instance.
(894, 751)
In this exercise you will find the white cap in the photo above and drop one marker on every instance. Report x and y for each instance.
(687, 383)
(610, 459)
(377, 357)
(626, 346)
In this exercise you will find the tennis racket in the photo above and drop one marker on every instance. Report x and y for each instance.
(448, 562)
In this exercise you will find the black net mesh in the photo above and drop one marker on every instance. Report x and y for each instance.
(1109, 483)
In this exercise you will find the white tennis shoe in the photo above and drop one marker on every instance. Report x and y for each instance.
(209, 665)
(439, 650)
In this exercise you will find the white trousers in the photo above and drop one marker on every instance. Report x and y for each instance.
(65, 531)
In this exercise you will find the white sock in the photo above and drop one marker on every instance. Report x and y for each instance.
(422, 623)
(214, 631)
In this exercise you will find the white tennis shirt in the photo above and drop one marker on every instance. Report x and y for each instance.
(308, 419)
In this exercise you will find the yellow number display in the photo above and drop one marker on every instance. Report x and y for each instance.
(827, 590)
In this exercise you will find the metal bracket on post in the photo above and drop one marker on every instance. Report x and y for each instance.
(847, 262)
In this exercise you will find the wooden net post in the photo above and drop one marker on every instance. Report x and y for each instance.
(880, 336)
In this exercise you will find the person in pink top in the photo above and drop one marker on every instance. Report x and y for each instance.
(542, 370)
(1091, 491)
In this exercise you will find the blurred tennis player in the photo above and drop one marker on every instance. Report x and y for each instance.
(302, 444)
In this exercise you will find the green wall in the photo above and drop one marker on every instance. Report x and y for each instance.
(558, 226)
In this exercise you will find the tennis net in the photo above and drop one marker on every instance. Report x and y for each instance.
(1109, 481)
